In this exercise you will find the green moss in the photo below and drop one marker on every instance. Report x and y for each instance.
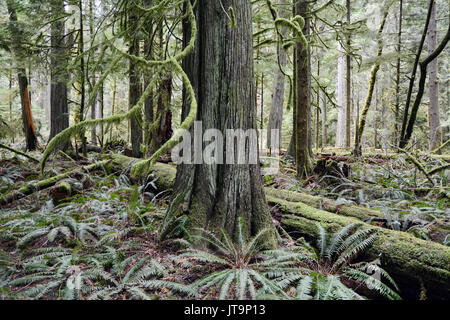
(402, 253)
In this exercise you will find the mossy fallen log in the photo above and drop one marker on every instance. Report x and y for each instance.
(325, 204)
(413, 262)
(165, 173)
(47, 183)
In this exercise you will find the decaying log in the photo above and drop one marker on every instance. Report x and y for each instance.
(164, 173)
(410, 260)
(329, 205)
(47, 183)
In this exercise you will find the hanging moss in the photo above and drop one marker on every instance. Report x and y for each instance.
(170, 63)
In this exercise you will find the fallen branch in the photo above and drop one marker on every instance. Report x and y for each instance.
(417, 164)
(441, 147)
(3, 146)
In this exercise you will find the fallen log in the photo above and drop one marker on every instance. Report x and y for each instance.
(164, 173)
(414, 263)
(329, 205)
(47, 183)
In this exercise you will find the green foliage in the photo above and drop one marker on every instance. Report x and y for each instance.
(241, 271)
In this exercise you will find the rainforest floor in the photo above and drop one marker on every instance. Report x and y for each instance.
(109, 225)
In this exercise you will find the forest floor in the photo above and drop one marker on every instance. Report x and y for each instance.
(103, 237)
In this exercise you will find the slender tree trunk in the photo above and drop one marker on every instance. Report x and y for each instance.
(82, 76)
(403, 141)
(276, 113)
(342, 117)
(373, 78)
(348, 85)
(101, 110)
(148, 104)
(375, 120)
(435, 125)
(113, 105)
(324, 122)
(385, 103)
(10, 98)
(135, 91)
(302, 99)
(421, 90)
(317, 113)
(397, 81)
(27, 117)
(59, 109)
(218, 194)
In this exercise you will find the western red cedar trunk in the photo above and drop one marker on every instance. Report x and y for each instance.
(59, 109)
(221, 72)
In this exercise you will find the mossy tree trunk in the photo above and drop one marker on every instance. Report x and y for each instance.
(373, 78)
(302, 98)
(217, 194)
(148, 74)
(59, 109)
(135, 91)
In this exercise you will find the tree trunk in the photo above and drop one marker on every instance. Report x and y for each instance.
(324, 122)
(59, 109)
(27, 117)
(397, 81)
(164, 114)
(148, 74)
(82, 76)
(218, 194)
(412, 79)
(421, 90)
(342, 118)
(276, 113)
(348, 113)
(135, 91)
(433, 109)
(373, 78)
(113, 105)
(302, 99)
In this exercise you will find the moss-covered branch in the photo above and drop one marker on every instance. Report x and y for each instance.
(4, 146)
